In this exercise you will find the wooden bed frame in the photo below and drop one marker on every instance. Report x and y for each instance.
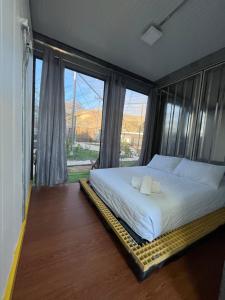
(151, 255)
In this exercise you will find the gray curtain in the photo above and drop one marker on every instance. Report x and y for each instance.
(114, 97)
(51, 153)
(147, 148)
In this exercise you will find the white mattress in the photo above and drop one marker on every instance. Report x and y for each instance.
(180, 202)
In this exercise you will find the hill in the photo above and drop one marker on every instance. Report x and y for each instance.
(88, 122)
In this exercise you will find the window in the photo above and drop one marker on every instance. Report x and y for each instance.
(83, 104)
(132, 128)
(37, 86)
(179, 102)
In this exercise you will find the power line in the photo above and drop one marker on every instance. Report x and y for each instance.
(88, 84)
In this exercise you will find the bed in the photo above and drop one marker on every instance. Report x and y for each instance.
(168, 222)
(180, 202)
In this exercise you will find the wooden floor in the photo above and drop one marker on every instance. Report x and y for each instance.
(68, 254)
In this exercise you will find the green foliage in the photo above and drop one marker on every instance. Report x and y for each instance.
(78, 153)
(125, 149)
(74, 176)
(132, 163)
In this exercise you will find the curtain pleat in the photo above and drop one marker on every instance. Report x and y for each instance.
(51, 152)
(114, 97)
(149, 129)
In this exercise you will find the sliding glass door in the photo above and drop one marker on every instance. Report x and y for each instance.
(132, 127)
(83, 104)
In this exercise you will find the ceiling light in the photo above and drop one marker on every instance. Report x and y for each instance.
(151, 35)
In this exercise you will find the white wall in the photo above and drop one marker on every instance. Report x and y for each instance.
(11, 155)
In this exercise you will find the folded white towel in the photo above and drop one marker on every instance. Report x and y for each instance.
(136, 182)
(155, 188)
(146, 185)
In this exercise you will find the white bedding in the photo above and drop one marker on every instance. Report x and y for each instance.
(180, 202)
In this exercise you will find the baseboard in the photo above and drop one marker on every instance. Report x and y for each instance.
(16, 255)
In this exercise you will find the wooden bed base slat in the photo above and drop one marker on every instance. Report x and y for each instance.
(150, 255)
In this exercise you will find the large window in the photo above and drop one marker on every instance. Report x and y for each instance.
(83, 103)
(132, 127)
(83, 106)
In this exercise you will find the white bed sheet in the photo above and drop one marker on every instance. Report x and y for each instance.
(180, 202)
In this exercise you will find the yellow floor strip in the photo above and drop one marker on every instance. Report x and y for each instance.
(151, 254)
(16, 256)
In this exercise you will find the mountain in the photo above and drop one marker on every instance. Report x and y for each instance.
(88, 121)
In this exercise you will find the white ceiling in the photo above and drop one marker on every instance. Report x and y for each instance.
(112, 29)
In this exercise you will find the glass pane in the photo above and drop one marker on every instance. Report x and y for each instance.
(83, 103)
(167, 109)
(211, 135)
(132, 127)
(37, 86)
(179, 117)
(173, 119)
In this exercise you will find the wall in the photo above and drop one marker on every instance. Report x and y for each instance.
(11, 148)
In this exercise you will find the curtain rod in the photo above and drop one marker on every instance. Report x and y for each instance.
(65, 52)
(77, 65)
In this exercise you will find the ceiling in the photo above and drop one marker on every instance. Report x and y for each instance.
(112, 29)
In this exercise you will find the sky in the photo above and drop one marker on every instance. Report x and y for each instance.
(89, 92)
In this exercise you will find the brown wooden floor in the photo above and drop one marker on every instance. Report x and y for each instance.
(68, 254)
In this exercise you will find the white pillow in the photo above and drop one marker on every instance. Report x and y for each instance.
(164, 163)
(201, 172)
